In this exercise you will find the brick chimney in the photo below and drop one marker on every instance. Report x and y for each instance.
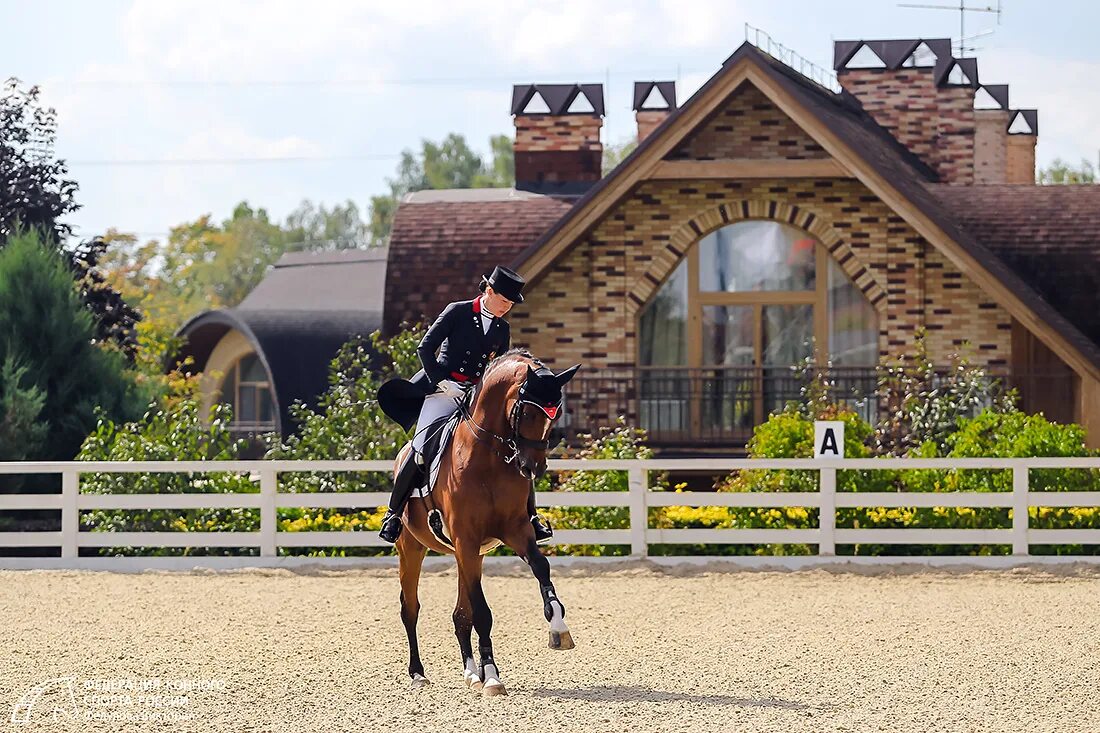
(557, 145)
(654, 101)
(1023, 133)
(919, 92)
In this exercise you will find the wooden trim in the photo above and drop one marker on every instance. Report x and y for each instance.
(924, 225)
(821, 306)
(765, 297)
(747, 168)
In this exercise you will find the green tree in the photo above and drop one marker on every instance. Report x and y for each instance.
(21, 432)
(450, 163)
(613, 154)
(1062, 172)
(36, 193)
(45, 328)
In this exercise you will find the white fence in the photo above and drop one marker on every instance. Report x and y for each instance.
(638, 499)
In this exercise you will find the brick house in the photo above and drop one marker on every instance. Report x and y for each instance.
(769, 219)
(766, 220)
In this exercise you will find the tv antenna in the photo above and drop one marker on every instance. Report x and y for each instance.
(962, 9)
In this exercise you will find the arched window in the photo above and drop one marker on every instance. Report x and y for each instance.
(247, 389)
(747, 302)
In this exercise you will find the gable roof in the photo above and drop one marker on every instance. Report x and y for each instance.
(865, 149)
(442, 242)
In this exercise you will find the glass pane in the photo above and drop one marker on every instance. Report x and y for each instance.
(728, 335)
(853, 322)
(788, 339)
(248, 405)
(753, 256)
(229, 389)
(663, 337)
(788, 334)
(252, 370)
(265, 406)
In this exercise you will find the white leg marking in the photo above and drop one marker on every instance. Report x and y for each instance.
(557, 619)
(470, 674)
(492, 676)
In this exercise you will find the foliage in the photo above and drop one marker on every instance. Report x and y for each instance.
(21, 432)
(1063, 172)
(45, 328)
(347, 423)
(450, 163)
(615, 154)
(36, 193)
(922, 404)
(172, 430)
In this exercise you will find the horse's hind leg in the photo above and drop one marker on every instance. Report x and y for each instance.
(411, 554)
(523, 543)
(469, 574)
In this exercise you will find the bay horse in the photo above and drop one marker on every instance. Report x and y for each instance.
(498, 448)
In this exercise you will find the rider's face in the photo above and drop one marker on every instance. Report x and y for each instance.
(497, 304)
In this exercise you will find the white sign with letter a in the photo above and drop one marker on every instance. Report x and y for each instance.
(828, 439)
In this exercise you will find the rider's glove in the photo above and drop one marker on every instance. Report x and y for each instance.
(452, 389)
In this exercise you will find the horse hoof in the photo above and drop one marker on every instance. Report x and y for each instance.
(474, 684)
(493, 690)
(561, 640)
(419, 681)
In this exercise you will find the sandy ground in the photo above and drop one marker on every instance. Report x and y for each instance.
(657, 650)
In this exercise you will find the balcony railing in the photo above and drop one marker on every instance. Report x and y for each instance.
(718, 407)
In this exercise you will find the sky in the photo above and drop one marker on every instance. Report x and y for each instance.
(344, 87)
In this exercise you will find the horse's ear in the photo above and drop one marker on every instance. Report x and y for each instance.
(530, 372)
(565, 376)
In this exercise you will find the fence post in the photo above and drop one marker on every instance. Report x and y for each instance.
(70, 514)
(1020, 503)
(826, 545)
(269, 488)
(639, 511)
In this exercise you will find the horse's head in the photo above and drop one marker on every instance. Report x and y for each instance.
(535, 406)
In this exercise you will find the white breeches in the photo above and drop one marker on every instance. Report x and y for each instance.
(435, 406)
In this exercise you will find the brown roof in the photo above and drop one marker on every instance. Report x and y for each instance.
(1048, 235)
(440, 249)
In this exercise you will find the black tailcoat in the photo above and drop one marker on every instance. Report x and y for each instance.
(465, 349)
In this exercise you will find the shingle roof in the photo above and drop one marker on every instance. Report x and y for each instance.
(440, 249)
(1049, 235)
(346, 280)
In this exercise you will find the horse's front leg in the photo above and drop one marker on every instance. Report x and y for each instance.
(469, 574)
(523, 543)
(464, 629)
(411, 560)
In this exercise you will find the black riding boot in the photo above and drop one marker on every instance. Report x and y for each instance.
(404, 482)
(543, 531)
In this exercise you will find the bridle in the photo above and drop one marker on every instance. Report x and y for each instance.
(514, 441)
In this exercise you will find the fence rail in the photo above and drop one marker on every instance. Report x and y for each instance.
(638, 499)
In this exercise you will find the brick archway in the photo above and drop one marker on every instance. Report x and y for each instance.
(731, 212)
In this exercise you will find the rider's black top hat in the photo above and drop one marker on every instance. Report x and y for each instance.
(506, 282)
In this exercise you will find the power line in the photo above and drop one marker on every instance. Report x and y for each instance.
(230, 161)
(411, 81)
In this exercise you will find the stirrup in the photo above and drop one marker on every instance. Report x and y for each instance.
(391, 527)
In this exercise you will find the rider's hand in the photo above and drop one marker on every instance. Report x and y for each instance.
(452, 388)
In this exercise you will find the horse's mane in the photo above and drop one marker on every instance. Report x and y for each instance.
(516, 353)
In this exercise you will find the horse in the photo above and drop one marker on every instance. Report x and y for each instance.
(498, 448)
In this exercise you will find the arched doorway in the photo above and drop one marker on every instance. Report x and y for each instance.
(749, 300)
(247, 389)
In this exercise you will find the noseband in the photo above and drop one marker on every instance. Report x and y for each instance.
(512, 442)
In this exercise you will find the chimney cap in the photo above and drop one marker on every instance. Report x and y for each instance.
(667, 90)
(968, 66)
(893, 53)
(1030, 117)
(558, 98)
